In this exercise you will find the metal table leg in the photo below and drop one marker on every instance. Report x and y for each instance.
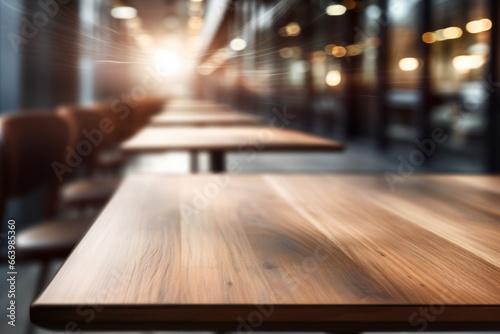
(217, 161)
(193, 160)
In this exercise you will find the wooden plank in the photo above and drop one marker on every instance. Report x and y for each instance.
(247, 140)
(324, 252)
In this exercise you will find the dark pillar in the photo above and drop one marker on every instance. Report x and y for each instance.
(493, 114)
(382, 119)
(350, 66)
(424, 111)
(50, 54)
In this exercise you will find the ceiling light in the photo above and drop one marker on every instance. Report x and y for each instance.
(408, 64)
(292, 29)
(468, 62)
(166, 63)
(333, 78)
(238, 44)
(336, 10)
(478, 26)
(339, 51)
(429, 37)
(354, 50)
(123, 12)
(452, 33)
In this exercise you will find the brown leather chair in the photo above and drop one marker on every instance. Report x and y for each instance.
(111, 158)
(147, 108)
(152, 106)
(29, 145)
(87, 127)
(128, 120)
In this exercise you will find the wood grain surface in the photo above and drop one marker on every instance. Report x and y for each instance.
(238, 138)
(286, 252)
(204, 119)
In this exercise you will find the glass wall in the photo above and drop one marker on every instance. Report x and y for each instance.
(387, 72)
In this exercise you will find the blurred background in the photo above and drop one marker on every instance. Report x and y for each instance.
(385, 77)
(379, 74)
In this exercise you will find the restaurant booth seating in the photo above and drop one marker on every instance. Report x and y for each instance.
(91, 133)
(29, 145)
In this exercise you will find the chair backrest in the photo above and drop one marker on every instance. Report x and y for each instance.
(147, 108)
(86, 133)
(29, 145)
(121, 116)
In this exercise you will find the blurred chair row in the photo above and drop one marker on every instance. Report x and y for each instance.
(73, 153)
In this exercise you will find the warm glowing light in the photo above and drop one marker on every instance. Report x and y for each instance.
(166, 63)
(318, 56)
(196, 9)
(440, 35)
(354, 49)
(408, 64)
(290, 52)
(468, 62)
(452, 32)
(286, 53)
(429, 37)
(238, 44)
(339, 51)
(333, 78)
(292, 29)
(349, 4)
(329, 48)
(124, 12)
(448, 33)
(336, 10)
(478, 26)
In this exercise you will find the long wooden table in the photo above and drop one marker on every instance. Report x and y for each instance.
(218, 140)
(204, 119)
(337, 253)
(196, 109)
(192, 102)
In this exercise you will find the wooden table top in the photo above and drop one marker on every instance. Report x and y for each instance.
(196, 108)
(204, 119)
(285, 252)
(239, 138)
(192, 102)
